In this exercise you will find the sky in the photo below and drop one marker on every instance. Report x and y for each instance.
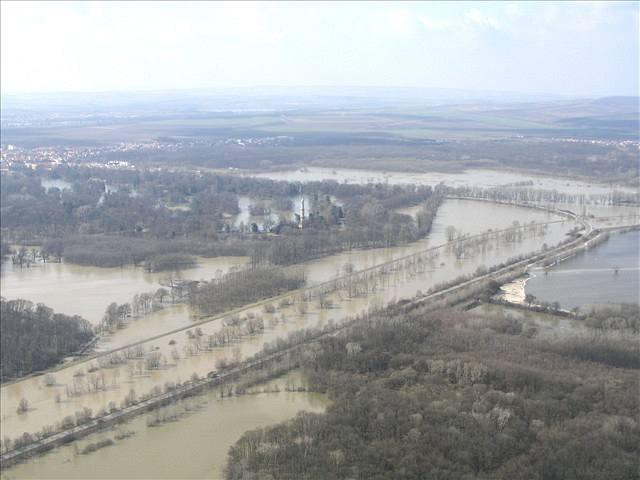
(581, 49)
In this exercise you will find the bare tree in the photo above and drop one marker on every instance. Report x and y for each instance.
(23, 406)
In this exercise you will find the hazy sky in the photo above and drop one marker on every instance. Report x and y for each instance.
(579, 48)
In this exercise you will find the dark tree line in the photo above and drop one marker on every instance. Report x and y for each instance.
(117, 251)
(448, 395)
(35, 338)
(242, 287)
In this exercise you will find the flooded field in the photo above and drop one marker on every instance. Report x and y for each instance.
(198, 442)
(87, 291)
(245, 218)
(83, 290)
(471, 178)
(609, 272)
(273, 216)
(50, 404)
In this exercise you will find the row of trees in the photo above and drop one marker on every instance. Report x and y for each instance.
(117, 316)
(525, 194)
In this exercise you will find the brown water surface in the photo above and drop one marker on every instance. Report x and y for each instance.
(195, 446)
(467, 216)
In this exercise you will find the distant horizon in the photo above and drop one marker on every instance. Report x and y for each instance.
(363, 91)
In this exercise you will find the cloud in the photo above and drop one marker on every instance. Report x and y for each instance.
(435, 24)
(401, 21)
(476, 18)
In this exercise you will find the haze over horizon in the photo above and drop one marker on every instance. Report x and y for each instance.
(578, 49)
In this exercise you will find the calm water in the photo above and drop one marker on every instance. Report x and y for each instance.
(87, 291)
(589, 277)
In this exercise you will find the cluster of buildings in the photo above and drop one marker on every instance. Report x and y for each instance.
(622, 144)
(243, 142)
(47, 158)
(12, 157)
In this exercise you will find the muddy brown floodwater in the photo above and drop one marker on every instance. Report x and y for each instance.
(194, 446)
(119, 380)
(199, 442)
(87, 291)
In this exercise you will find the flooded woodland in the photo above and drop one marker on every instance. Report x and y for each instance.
(72, 390)
(109, 378)
(323, 240)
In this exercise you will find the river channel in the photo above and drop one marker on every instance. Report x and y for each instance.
(610, 272)
(467, 216)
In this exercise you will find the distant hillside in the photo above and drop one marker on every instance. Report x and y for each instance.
(618, 104)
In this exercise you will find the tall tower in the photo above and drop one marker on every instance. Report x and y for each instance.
(301, 206)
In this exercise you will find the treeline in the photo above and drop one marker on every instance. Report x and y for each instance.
(242, 287)
(448, 394)
(35, 338)
(524, 194)
(155, 254)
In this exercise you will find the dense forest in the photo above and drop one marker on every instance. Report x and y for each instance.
(116, 217)
(35, 338)
(448, 395)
